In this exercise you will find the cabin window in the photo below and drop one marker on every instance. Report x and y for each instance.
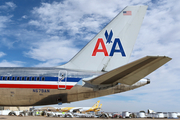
(3, 78)
(32, 78)
(17, 78)
(43, 78)
(7, 78)
(22, 78)
(27, 78)
(37, 78)
(12, 78)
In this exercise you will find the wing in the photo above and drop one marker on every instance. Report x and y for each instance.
(132, 72)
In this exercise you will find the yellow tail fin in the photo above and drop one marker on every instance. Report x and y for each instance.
(96, 104)
(100, 106)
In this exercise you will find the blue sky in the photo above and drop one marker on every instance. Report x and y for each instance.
(49, 33)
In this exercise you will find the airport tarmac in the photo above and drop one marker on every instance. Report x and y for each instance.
(53, 118)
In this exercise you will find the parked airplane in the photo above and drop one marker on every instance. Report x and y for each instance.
(101, 65)
(94, 108)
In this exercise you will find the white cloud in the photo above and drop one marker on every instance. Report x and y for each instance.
(4, 20)
(75, 17)
(24, 16)
(7, 42)
(11, 5)
(8, 6)
(2, 54)
(5, 63)
(52, 51)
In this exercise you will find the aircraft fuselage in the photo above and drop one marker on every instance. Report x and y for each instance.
(23, 92)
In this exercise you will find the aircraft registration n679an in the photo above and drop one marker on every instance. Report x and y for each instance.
(102, 65)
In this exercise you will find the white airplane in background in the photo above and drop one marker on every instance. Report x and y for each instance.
(102, 65)
(94, 108)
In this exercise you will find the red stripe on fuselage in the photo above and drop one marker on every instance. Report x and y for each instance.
(34, 86)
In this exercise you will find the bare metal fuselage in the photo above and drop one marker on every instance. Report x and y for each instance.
(29, 97)
(44, 96)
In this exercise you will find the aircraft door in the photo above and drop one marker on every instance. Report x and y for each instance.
(62, 79)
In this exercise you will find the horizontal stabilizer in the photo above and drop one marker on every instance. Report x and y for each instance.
(132, 72)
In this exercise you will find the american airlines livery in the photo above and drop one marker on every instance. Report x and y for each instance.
(102, 65)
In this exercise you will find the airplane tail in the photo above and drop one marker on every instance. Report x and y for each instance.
(112, 46)
(100, 106)
(96, 104)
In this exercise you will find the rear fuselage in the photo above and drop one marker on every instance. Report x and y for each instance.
(43, 86)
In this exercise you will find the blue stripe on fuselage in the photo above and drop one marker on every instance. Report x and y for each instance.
(55, 79)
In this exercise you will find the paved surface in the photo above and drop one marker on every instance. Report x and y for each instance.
(53, 118)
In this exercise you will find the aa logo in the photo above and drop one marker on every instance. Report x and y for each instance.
(108, 37)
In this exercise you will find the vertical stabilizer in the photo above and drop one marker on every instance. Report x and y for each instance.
(100, 106)
(96, 104)
(112, 46)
